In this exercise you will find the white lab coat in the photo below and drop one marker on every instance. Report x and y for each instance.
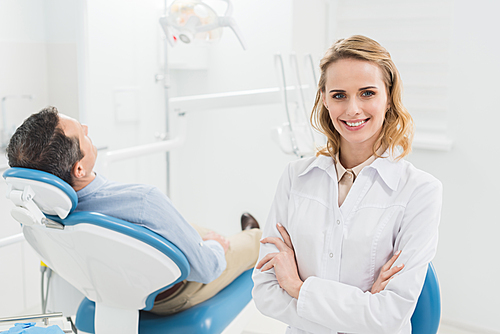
(391, 206)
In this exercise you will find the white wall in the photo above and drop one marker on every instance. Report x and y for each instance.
(61, 18)
(37, 57)
(23, 57)
(467, 261)
(124, 104)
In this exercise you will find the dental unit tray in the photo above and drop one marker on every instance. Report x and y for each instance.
(120, 267)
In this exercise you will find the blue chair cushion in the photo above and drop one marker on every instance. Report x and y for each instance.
(209, 317)
(427, 314)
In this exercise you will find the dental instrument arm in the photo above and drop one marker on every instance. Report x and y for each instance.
(146, 149)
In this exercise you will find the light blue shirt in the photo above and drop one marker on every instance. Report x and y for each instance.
(147, 206)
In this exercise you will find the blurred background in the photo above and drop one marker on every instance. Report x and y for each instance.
(107, 64)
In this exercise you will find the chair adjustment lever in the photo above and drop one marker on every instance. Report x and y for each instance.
(49, 223)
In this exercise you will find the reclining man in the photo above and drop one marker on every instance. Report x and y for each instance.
(60, 145)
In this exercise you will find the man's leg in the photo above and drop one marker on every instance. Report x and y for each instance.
(242, 255)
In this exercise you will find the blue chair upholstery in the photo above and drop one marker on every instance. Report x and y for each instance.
(209, 317)
(427, 314)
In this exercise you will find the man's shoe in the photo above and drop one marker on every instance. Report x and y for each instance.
(248, 222)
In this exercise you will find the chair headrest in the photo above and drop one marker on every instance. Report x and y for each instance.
(52, 195)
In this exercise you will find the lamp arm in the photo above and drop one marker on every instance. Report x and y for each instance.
(164, 24)
(229, 21)
(229, 9)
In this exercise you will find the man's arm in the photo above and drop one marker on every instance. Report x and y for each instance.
(217, 237)
(206, 258)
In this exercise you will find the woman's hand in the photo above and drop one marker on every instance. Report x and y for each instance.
(285, 266)
(386, 274)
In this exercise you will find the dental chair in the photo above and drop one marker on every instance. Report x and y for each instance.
(120, 267)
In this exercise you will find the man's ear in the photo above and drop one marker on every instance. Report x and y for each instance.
(78, 171)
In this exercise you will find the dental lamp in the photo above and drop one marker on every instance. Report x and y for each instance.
(194, 21)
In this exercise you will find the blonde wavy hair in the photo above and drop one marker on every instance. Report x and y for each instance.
(397, 129)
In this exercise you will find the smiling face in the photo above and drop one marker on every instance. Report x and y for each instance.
(356, 98)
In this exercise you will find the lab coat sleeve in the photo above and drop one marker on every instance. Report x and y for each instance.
(348, 309)
(270, 299)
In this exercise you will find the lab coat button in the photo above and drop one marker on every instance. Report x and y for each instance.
(338, 222)
(331, 254)
(201, 244)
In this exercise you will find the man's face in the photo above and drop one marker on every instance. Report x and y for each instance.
(73, 128)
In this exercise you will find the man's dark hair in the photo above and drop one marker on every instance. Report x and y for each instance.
(40, 143)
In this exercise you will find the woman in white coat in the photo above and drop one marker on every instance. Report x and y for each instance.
(345, 222)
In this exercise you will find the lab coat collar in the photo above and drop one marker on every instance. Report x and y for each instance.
(90, 188)
(325, 163)
(387, 167)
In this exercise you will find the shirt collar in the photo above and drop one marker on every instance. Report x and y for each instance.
(387, 167)
(90, 188)
(355, 170)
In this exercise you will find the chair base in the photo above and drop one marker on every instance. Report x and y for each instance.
(209, 317)
(113, 320)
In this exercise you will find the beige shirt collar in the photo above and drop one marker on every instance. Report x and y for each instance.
(355, 170)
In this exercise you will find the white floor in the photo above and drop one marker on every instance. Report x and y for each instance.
(251, 321)
(443, 329)
(264, 325)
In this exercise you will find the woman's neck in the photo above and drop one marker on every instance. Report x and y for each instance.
(351, 157)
